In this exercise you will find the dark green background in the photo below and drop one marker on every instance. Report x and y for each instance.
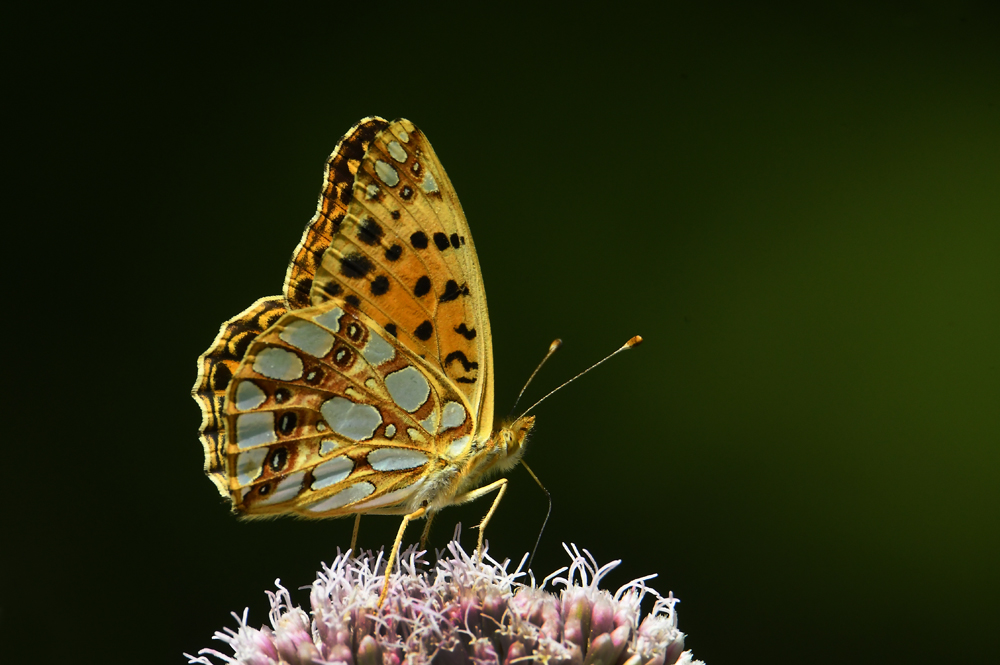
(798, 208)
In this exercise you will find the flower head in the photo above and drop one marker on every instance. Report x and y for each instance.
(462, 611)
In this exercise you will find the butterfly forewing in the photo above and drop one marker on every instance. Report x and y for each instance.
(404, 255)
(329, 414)
(338, 187)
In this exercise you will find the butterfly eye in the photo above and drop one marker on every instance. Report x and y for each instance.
(282, 395)
(314, 376)
(264, 489)
(287, 422)
(278, 460)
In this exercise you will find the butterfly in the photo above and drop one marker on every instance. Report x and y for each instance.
(367, 386)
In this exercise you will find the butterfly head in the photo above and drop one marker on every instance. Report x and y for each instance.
(510, 438)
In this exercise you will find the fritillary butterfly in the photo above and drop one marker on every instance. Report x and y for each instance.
(367, 387)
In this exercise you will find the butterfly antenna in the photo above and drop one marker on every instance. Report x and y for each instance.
(635, 341)
(553, 347)
(542, 530)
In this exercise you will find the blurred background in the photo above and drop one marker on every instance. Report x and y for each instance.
(798, 208)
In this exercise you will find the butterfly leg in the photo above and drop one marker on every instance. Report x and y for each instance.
(427, 530)
(483, 491)
(395, 550)
(354, 536)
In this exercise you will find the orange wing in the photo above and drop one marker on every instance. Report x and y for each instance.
(338, 190)
(405, 257)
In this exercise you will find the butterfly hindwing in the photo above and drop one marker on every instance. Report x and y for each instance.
(216, 368)
(330, 414)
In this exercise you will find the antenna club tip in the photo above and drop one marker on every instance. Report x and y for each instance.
(635, 341)
(556, 343)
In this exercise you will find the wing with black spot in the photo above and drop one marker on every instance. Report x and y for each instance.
(404, 256)
(216, 368)
(329, 414)
(338, 190)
